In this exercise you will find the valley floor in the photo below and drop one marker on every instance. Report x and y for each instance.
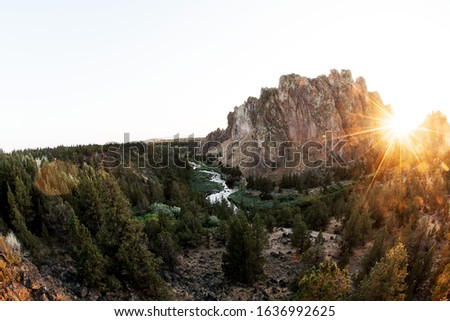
(200, 276)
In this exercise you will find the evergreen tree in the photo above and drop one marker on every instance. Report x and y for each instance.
(316, 216)
(175, 194)
(265, 186)
(243, 260)
(377, 206)
(420, 248)
(313, 256)
(122, 239)
(139, 264)
(359, 224)
(91, 264)
(90, 208)
(339, 207)
(30, 241)
(260, 240)
(250, 182)
(189, 229)
(376, 253)
(300, 234)
(327, 283)
(23, 199)
(156, 192)
(386, 280)
(320, 239)
(285, 181)
(162, 240)
(221, 232)
(167, 250)
(441, 291)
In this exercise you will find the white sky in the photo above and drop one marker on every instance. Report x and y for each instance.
(78, 72)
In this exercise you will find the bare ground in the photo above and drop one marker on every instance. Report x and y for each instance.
(200, 276)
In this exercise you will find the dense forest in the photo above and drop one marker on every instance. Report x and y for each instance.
(119, 225)
(122, 225)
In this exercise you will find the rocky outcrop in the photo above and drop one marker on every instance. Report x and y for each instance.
(21, 280)
(433, 135)
(303, 110)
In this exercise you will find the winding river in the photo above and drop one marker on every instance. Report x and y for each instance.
(224, 193)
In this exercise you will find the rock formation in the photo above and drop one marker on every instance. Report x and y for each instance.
(20, 279)
(301, 110)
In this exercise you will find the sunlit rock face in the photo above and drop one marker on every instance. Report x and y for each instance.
(20, 280)
(303, 110)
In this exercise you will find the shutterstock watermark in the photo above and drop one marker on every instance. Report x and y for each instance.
(268, 152)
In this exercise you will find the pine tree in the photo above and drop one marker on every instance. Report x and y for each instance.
(90, 208)
(420, 248)
(221, 232)
(23, 199)
(140, 265)
(189, 229)
(91, 264)
(441, 291)
(359, 224)
(162, 241)
(327, 283)
(313, 256)
(284, 183)
(175, 194)
(122, 239)
(338, 208)
(167, 249)
(250, 182)
(260, 240)
(316, 216)
(300, 234)
(30, 241)
(376, 252)
(386, 280)
(156, 192)
(243, 260)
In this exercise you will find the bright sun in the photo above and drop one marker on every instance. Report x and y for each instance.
(400, 126)
(398, 132)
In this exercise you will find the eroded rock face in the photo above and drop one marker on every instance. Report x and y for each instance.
(302, 110)
(20, 280)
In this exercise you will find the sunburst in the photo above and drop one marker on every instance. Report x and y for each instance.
(399, 128)
(396, 137)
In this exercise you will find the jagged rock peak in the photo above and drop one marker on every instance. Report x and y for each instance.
(303, 109)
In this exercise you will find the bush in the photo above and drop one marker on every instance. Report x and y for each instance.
(316, 216)
(10, 249)
(160, 208)
(13, 243)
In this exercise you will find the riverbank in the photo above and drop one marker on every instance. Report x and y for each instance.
(209, 181)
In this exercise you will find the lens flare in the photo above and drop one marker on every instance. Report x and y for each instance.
(399, 127)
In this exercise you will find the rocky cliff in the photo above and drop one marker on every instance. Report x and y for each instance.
(302, 110)
(20, 280)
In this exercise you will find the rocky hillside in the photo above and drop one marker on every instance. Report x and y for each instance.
(21, 280)
(301, 110)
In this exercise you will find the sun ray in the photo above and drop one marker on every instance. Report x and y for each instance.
(429, 130)
(375, 103)
(362, 132)
(374, 146)
(379, 166)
